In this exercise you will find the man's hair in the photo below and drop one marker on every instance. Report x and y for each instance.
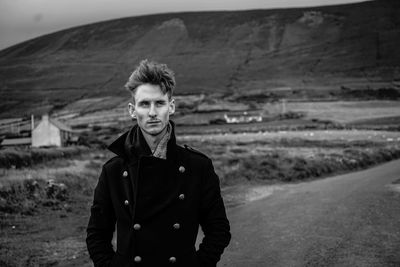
(152, 73)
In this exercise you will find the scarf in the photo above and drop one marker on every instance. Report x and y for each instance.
(161, 150)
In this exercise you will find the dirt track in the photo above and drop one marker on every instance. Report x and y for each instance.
(347, 220)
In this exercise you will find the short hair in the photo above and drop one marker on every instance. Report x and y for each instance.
(152, 73)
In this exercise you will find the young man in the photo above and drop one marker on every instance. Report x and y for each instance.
(155, 192)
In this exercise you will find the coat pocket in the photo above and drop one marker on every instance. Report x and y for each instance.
(189, 258)
(119, 261)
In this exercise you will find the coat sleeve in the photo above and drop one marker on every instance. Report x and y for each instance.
(213, 219)
(101, 224)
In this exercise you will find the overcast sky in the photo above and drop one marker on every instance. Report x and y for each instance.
(21, 20)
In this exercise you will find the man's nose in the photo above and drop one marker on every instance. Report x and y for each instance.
(152, 111)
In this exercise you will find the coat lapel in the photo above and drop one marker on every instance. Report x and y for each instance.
(146, 198)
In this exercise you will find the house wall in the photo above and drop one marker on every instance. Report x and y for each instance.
(65, 137)
(46, 134)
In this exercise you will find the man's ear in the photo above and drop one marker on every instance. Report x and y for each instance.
(171, 107)
(131, 109)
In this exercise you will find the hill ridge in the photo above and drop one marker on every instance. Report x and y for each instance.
(312, 48)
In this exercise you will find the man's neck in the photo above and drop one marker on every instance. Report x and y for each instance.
(153, 140)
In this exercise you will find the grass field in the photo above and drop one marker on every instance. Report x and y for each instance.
(200, 114)
(289, 156)
(347, 111)
(45, 195)
(200, 110)
(43, 225)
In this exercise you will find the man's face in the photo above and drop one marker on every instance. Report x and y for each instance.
(151, 108)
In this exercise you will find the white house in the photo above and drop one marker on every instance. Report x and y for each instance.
(242, 118)
(50, 132)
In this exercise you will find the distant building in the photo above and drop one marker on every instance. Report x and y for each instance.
(242, 118)
(50, 132)
(16, 142)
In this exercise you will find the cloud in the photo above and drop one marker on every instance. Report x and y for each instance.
(37, 17)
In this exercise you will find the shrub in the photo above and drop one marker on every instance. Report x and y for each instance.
(279, 166)
(26, 196)
(15, 158)
(21, 197)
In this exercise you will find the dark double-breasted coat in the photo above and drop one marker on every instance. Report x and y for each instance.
(157, 206)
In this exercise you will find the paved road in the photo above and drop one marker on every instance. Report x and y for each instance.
(347, 220)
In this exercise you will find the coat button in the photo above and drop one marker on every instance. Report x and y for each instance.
(182, 196)
(172, 260)
(182, 169)
(137, 259)
(177, 226)
(126, 202)
(137, 226)
(125, 174)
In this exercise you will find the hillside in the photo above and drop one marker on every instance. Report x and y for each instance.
(321, 49)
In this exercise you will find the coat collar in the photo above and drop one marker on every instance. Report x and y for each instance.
(132, 145)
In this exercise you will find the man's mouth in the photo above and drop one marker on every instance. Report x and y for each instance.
(153, 122)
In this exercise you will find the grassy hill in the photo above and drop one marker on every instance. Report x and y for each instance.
(305, 51)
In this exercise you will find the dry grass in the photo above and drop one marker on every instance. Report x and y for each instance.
(18, 158)
(346, 111)
(55, 221)
(293, 156)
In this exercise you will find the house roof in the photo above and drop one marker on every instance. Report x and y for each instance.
(16, 141)
(249, 113)
(60, 125)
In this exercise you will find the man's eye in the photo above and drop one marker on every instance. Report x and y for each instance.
(160, 103)
(143, 104)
